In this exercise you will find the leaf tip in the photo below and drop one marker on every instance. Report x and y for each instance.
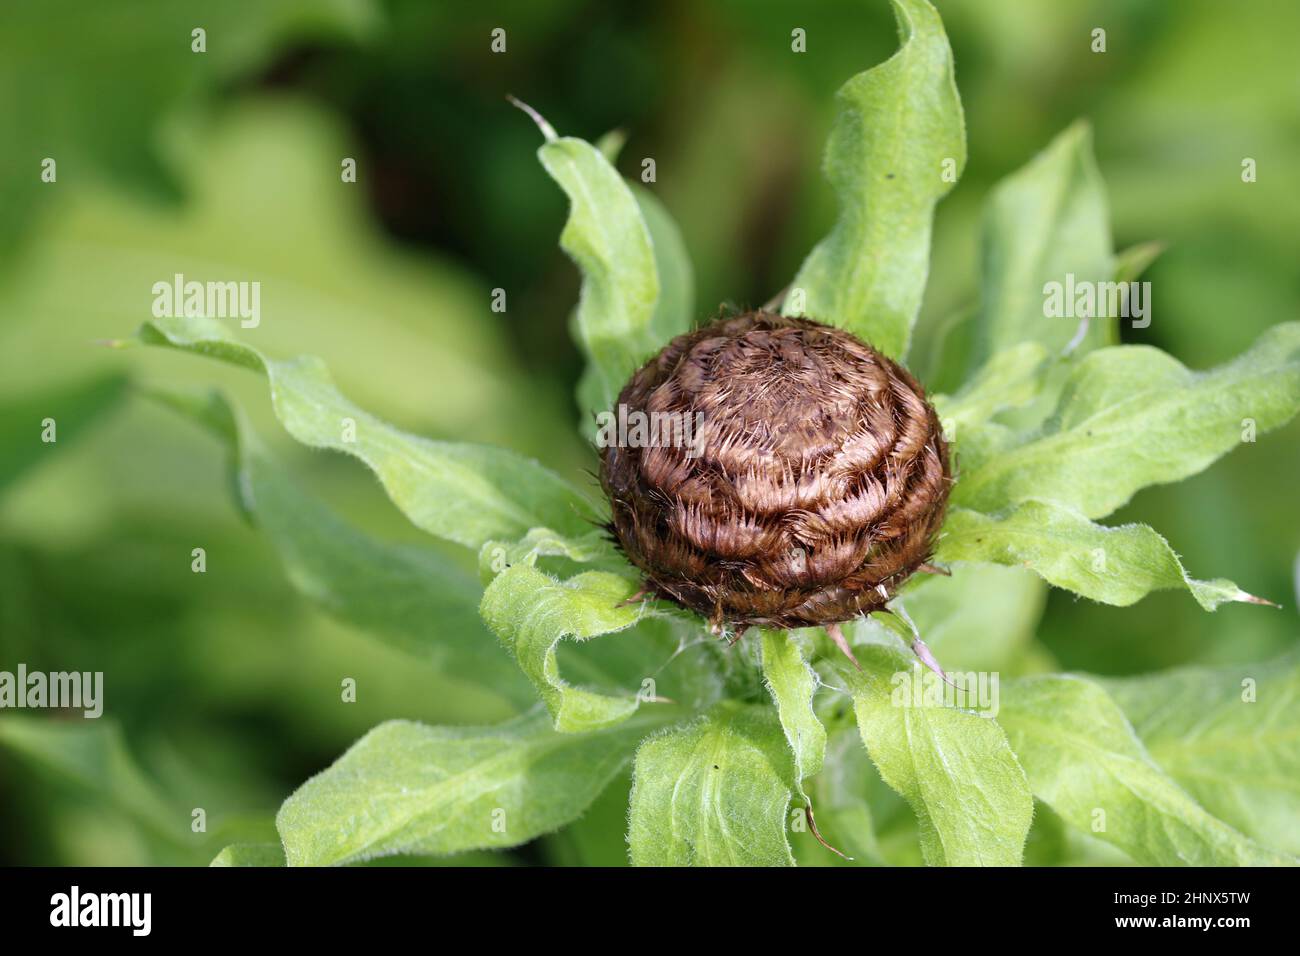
(547, 129)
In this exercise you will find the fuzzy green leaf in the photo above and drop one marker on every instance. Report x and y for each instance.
(715, 793)
(1230, 736)
(792, 683)
(846, 792)
(675, 308)
(900, 129)
(1043, 221)
(408, 788)
(532, 612)
(409, 596)
(250, 854)
(607, 238)
(1084, 761)
(1009, 379)
(954, 768)
(591, 548)
(469, 494)
(1132, 416)
(1113, 565)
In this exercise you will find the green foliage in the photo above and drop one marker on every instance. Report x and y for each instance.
(714, 793)
(1228, 736)
(412, 596)
(1113, 565)
(72, 115)
(1132, 416)
(250, 854)
(898, 125)
(792, 684)
(1084, 761)
(408, 788)
(1042, 222)
(636, 279)
(1169, 769)
(955, 768)
(532, 613)
(468, 494)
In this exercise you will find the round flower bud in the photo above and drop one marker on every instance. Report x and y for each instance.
(775, 472)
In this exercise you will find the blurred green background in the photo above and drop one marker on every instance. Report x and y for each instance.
(222, 689)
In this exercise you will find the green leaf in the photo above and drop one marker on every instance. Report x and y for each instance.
(607, 238)
(899, 124)
(1116, 566)
(792, 683)
(409, 788)
(1131, 263)
(532, 612)
(1009, 379)
(1230, 736)
(410, 596)
(1132, 416)
(714, 793)
(954, 768)
(72, 408)
(1083, 760)
(1043, 221)
(250, 854)
(675, 308)
(844, 792)
(594, 547)
(469, 494)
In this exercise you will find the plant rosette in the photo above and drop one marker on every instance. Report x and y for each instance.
(807, 534)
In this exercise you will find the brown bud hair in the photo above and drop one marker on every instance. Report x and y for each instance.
(815, 484)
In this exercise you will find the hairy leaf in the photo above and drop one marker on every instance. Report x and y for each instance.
(1043, 221)
(410, 596)
(607, 237)
(714, 793)
(954, 768)
(1084, 761)
(897, 147)
(1113, 565)
(1230, 736)
(675, 308)
(532, 612)
(409, 788)
(469, 494)
(1009, 379)
(1132, 416)
(593, 547)
(250, 854)
(792, 683)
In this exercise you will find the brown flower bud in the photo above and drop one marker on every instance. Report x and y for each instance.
(793, 476)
